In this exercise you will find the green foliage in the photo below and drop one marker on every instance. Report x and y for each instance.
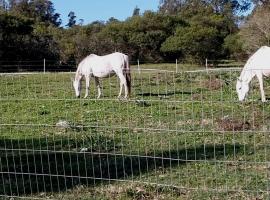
(208, 24)
(201, 38)
(219, 6)
(234, 45)
(72, 19)
(191, 41)
(30, 29)
(136, 11)
(141, 36)
(21, 38)
(39, 10)
(26, 31)
(256, 32)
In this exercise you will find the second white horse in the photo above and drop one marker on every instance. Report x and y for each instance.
(257, 65)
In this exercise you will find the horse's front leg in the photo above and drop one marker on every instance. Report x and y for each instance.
(87, 84)
(260, 78)
(98, 87)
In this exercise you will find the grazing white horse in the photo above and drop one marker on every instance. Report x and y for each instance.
(257, 65)
(102, 67)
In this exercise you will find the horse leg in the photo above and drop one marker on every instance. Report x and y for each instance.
(87, 83)
(260, 78)
(123, 82)
(98, 87)
(120, 91)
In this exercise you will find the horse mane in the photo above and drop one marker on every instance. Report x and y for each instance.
(79, 70)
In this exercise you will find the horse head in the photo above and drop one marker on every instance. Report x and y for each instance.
(77, 87)
(242, 88)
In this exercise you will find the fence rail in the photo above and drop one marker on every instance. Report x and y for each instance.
(57, 66)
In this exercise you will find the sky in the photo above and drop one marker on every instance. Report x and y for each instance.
(102, 10)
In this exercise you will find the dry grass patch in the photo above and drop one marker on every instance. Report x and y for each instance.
(227, 124)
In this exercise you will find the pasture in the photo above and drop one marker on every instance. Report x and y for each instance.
(180, 136)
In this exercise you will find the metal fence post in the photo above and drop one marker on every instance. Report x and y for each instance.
(44, 65)
(206, 65)
(176, 66)
(139, 69)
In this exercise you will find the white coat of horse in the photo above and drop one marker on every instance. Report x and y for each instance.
(102, 67)
(257, 65)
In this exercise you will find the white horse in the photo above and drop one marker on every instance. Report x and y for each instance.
(257, 65)
(102, 67)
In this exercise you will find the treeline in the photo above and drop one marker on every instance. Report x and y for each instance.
(180, 29)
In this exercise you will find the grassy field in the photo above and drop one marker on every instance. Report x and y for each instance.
(180, 136)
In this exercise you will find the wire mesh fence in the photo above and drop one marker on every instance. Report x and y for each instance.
(180, 135)
(45, 65)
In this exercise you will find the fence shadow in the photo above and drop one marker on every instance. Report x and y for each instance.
(26, 172)
(149, 94)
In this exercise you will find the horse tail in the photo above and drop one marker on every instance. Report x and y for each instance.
(127, 74)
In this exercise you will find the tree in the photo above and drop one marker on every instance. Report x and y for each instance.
(44, 11)
(112, 20)
(261, 2)
(196, 42)
(202, 36)
(3, 5)
(219, 6)
(235, 6)
(13, 36)
(142, 36)
(256, 31)
(72, 19)
(136, 11)
(81, 21)
(13, 3)
(170, 6)
(40, 10)
(21, 39)
(234, 45)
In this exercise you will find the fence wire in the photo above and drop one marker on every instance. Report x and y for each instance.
(180, 135)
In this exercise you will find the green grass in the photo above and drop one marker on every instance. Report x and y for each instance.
(166, 142)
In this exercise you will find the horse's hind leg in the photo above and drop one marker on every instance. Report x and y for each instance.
(87, 83)
(120, 91)
(123, 82)
(98, 87)
(260, 78)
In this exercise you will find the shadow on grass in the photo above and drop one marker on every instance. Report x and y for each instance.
(147, 94)
(25, 172)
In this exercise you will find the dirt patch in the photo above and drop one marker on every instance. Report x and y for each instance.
(161, 78)
(197, 97)
(213, 84)
(227, 124)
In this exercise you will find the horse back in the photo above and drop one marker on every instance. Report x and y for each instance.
(259, 62)
(115, 60)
